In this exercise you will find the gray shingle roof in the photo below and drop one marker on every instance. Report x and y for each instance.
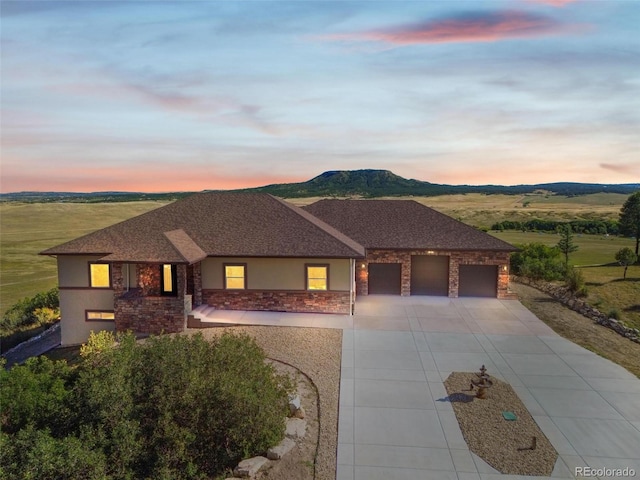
(215, 224)
(402, 224)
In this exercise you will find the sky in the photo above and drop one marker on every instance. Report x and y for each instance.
(187, 96)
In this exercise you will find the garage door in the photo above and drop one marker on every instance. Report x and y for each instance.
(478, 281)
(384, 278)
(429, 275)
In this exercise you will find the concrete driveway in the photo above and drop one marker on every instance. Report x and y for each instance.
(395, 424)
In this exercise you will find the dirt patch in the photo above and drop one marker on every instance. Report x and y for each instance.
(505, 445)
(579, 329)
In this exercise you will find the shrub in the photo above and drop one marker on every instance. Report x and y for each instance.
(614, 314)
(23, 312)
(46, 315)
(35, 393)
(537, 261)
(574, 279)
(171, 408)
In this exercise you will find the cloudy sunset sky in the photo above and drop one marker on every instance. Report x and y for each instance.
(166, 96)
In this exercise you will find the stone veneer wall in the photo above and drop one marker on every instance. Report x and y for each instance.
(566, 297)
(278, 301)
(149, 313)
(456, 258)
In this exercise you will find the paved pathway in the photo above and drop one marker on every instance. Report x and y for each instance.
(395, 424)
(47, 340)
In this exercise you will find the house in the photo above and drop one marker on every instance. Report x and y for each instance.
(412, 249)
(252, 251)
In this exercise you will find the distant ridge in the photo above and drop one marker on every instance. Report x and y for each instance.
(381, 183)
(366, 183)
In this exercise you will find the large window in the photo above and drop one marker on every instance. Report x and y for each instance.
(317, 277)
(168, 280)
(235, 276)
(100, 315)
(99, 275)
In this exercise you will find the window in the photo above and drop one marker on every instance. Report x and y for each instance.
(317, 277)
(104, 315)
(235, 277)
(99, 275)
(168, 280)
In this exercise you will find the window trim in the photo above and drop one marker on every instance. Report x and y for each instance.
(224, 275)
(174, 280)
(87, 319)
(100, 263)
(306, 276)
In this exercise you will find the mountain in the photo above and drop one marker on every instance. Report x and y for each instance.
(383, 183)
(342, 183)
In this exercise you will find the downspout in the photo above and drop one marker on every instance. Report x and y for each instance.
(352, 288)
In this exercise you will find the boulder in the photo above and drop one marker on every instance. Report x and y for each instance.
(280, 450)
(295, 428)
(250, 467)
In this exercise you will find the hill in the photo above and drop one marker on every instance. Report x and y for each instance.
(383, 183)
(343, 183)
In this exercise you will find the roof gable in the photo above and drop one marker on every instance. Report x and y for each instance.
(402, 224)
(215, 224)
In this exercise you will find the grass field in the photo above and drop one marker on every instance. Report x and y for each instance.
(485, 210)
(596, 258)
(29, 228)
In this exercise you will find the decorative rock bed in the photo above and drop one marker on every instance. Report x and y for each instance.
(295, 432)
(567, 298)
(514, 446)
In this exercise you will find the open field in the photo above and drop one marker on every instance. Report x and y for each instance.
(29, 228)
(484, 210)
(596, 257)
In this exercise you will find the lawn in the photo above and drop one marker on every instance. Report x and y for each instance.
(29, 228)
(595, 256)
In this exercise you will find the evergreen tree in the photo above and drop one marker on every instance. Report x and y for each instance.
(566, 244)
(630, 218)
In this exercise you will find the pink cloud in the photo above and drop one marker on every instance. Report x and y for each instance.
(627, 169)
(474, 27)
(554, 3)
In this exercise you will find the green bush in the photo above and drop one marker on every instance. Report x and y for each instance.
(574, 279)
(171, 408)
(537, 261)
(614, 314)
(23, 312)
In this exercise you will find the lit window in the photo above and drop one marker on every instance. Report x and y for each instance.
(317, 277)
(234, 277)
(99, 275)
(101, 315)
(168, 279)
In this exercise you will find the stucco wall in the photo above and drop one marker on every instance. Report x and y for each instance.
(73, 304)
(73, 271)
(276, 273)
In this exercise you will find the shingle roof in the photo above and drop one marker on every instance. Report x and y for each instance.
(402, 224)
(215, 224)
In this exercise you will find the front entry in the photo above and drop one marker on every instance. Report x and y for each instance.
(429, 275)
(385, 278)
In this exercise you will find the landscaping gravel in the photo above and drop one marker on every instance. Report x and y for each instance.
(317, 353)
(503, 444)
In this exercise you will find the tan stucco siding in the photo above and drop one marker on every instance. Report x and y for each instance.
(73, 270)
(73, 306)
(276, 273)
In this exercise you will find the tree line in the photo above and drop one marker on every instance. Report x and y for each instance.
(595, 227)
